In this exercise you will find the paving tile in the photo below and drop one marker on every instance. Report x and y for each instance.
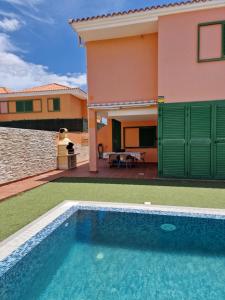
(147, 171)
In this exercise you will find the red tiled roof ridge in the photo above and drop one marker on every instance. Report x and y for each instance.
(148, 8)
(46, 87)
(53, 87)
(4, 90)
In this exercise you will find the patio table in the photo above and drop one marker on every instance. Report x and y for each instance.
(136, 155)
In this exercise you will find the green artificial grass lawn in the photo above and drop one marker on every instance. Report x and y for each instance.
(18, 211)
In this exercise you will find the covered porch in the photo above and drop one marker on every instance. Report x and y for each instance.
(145, 171)
(130, 132)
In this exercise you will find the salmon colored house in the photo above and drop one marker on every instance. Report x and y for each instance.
(157, 74)
(47, 107)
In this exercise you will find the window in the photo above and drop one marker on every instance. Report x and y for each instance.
(140, 137)
(3, 107)
(211, 41)
(147, 136)
(54, 104)
(19, 106)
(223, 40)
(24, 106)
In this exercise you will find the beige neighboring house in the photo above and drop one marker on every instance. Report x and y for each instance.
(47, 107)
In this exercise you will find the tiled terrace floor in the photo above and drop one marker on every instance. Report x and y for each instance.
(148, 171)
(14, 188)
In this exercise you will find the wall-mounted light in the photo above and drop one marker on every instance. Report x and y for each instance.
(81, 42)
(161, 99)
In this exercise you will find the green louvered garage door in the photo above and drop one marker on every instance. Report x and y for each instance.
(219, 143)
(192, 140)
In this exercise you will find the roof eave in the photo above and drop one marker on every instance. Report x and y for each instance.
(90, 30)
(75, 92)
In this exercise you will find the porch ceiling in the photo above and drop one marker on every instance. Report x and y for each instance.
(137, 118)
(141, 114)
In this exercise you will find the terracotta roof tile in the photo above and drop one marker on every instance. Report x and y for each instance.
(4, 90)
(46, 87)
(148, 8)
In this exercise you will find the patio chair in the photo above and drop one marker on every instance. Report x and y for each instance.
(130, 161)
(114, 160)
(122, 161)
(141, 161)
(143, 157)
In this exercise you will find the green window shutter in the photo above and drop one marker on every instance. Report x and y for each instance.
(28, 106)
(219, 142)
(200, 143)
(223, 39)
(19, 106)
(56, 104)
(116, 135)
(147, 136)
(172, 140)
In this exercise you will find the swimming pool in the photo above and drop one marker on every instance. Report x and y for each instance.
(104, 253)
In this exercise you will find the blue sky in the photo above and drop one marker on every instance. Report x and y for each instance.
(37, 46)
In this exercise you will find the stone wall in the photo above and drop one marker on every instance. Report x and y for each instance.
(25, 153)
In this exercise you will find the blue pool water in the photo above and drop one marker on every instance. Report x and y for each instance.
(100, 255)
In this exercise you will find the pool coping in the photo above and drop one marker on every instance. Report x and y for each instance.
(15, 247)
